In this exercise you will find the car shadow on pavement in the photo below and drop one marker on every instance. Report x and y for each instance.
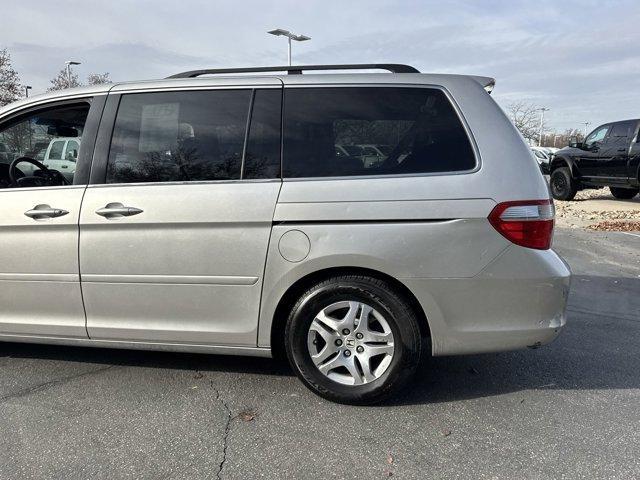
(598, 349)
(148, 359)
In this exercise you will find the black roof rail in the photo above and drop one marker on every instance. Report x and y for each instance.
(298, 69)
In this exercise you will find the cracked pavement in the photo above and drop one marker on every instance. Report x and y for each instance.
(569, 410)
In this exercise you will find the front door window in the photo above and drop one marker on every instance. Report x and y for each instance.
(35, 154)
(596, 137)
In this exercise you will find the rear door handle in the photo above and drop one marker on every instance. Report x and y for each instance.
(622, 149)
(43, 211)
(117, 210)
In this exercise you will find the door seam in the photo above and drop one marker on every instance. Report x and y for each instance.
(264, 269)
(84, 308)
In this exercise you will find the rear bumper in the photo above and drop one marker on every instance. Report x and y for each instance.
(519, 300)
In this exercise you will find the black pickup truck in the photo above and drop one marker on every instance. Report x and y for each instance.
(608, 157)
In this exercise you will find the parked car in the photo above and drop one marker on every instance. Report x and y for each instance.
(61, 155)
(608, 157)
(543, 159)
(204, 217)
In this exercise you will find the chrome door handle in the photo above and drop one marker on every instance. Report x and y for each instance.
(117, 210)
(43, 211)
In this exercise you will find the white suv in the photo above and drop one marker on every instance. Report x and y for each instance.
(61, 155)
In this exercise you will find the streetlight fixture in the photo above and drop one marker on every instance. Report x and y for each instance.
(290, 36)
(26, 90)
(586, 124)
(542, 110)
(68, 63)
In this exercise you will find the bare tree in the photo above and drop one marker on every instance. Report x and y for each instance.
(18, 137)
(98, 78)
(10, 88)
(526, 118)
(561, 139)
(63, 80)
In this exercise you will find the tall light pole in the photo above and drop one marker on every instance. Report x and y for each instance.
(68, 63)
(290, 36)
(586, 124)
(26, 90)
(542, 110)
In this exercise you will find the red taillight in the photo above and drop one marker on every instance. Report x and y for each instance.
(528, 223)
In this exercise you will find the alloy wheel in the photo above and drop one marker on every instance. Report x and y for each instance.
(350, 343)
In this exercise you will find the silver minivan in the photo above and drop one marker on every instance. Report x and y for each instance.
(212, 213)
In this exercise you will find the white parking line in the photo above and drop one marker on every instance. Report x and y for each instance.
(632, 234)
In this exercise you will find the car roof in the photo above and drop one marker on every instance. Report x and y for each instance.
(293, 80)
(624, 121)
(250, 81)
(69, 93)
(614, 122)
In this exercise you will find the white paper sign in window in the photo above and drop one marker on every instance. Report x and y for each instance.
(159, 127)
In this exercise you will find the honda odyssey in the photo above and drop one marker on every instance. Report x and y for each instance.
(212, 212)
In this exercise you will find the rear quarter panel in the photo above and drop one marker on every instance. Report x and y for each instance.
(424, 226)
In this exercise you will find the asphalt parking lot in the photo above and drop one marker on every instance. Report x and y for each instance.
(569, 410)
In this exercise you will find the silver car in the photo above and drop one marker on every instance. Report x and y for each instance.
(211, 213)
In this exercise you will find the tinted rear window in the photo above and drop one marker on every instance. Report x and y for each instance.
(416, 130)
(179, 136)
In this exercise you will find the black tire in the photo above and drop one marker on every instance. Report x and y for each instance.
(563, 186)
(401, 318)
(623, 193)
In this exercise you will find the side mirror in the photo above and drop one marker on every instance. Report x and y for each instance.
(574, 143)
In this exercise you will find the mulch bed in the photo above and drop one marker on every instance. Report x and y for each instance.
(609, 226)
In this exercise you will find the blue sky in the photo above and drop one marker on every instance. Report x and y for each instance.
(581, 59)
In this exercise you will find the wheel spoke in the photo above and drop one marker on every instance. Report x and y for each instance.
(366, 369)
(369, 335)
(377, 337)
(378, 349)
(328, 336)
(350, 317)
(350, 364)
(327, 321)
(336, 362)
(363, 318)
(323, 354)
